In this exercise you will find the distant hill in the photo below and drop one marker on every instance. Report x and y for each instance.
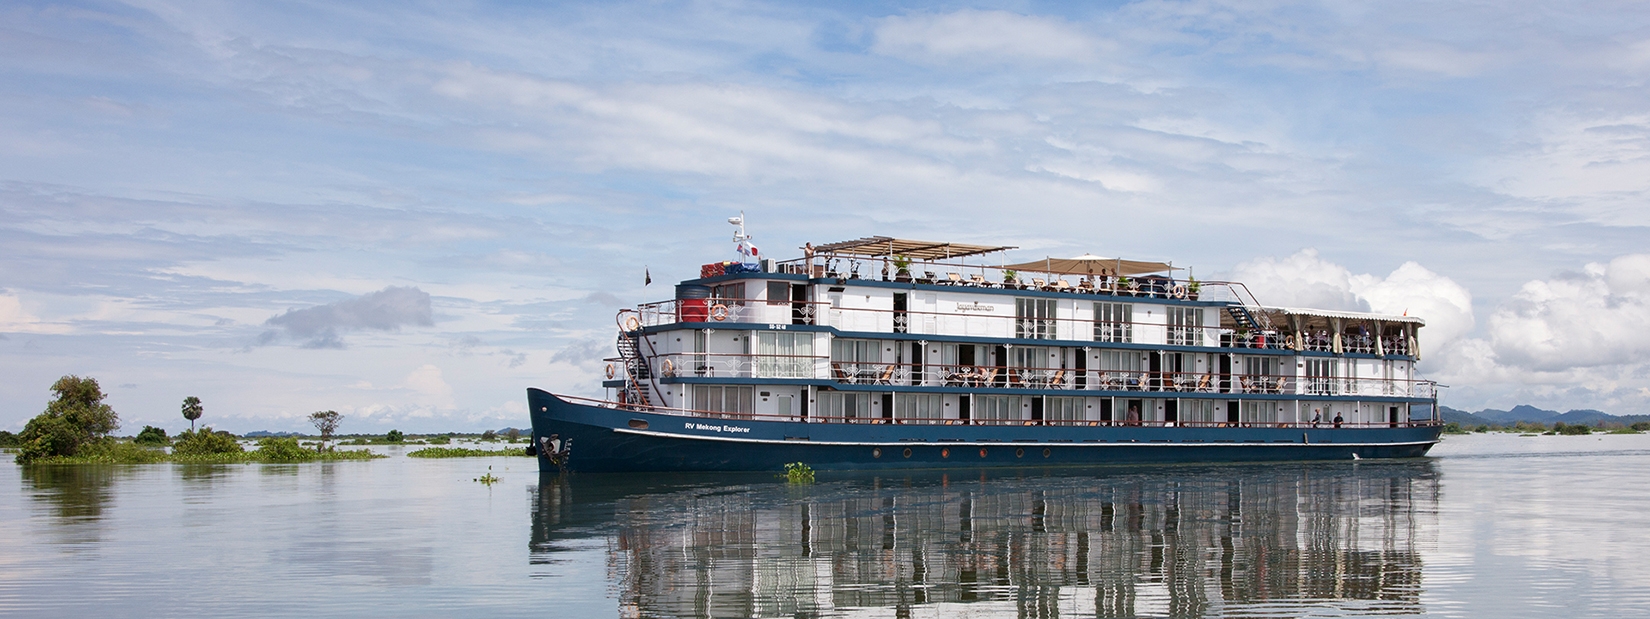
(267, 434)
(1531, 414)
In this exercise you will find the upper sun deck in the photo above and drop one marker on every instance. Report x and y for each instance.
(916, 288)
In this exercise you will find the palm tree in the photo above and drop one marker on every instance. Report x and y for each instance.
(191, 410)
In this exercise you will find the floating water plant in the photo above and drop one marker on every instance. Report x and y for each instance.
(488, 478)
(799, 473)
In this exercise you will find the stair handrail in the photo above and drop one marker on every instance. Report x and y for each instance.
(632, 328)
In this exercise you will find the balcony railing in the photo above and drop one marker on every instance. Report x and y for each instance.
(1085, 422)
(848, 372)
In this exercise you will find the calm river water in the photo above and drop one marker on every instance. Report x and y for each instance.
(1491, 526)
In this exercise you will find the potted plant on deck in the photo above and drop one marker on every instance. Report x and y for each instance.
(1008, 276)
(1192, 287)
(902, 268)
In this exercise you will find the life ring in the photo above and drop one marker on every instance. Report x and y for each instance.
(1179, 291)
(632, 323)
(610, 370)
(719, 312)
(667, 367)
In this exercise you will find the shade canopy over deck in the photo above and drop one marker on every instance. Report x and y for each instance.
(883, 247)
(1089, 264)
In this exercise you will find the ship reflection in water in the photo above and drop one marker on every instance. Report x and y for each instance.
(1181, 541)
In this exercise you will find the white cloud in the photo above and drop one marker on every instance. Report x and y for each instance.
(15, 319)
(1588, 319)
(1596, 167)
(982, 36)
(429, 387)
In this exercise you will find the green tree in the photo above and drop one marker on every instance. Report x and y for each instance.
(76, 418)
(395, 436)
(192, 410)
(326, 422)
(151, 436)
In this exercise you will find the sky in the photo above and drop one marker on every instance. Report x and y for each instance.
(409, 212)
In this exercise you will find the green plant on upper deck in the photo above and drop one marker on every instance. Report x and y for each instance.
(1009, 275)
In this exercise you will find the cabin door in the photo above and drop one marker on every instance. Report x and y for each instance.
(902, 317)
(801, 312)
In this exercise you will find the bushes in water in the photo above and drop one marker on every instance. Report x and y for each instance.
(1571, 430)
(283, 450)
(1454, 428)
(151, 436)
(7, 439)
(206, 442)
(460, 452)
(395, 436)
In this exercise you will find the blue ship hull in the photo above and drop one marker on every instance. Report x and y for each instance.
(588, 438)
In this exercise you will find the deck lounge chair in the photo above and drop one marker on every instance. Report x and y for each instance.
(954, 279)
(887, 375)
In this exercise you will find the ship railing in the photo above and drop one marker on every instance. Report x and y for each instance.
(1088, 419)
(718, 311)
(738, 365)
(986, 320)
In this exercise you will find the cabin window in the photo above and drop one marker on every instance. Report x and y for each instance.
(921, 407)
(784, 354)
(844, 405)
(1119, 361)
(722, 399)
(1320, 376)
(1113, 322)
(856, 361)
(997, 407)
(728, 294)
(1063, 409)
(1198, 412)
(1185, 326)
(779, 293)
(1034, 319)
(1259, 412)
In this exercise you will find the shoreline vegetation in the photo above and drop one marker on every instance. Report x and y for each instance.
(1525, 428)
(77, 428)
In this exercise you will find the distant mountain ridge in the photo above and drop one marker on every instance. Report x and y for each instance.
(1531, 414)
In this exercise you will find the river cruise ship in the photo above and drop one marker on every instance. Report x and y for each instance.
(885, 353)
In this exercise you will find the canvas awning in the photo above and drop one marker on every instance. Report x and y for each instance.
(1322, 313)
(1091, 265)
(883, 246)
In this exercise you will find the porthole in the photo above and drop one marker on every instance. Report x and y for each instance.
(982, 452)
(876, 452)
(945, 452)
(1019, 452)
(907, 452)
(1047, 452)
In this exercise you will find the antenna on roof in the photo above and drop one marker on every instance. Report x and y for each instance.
(742, 241)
